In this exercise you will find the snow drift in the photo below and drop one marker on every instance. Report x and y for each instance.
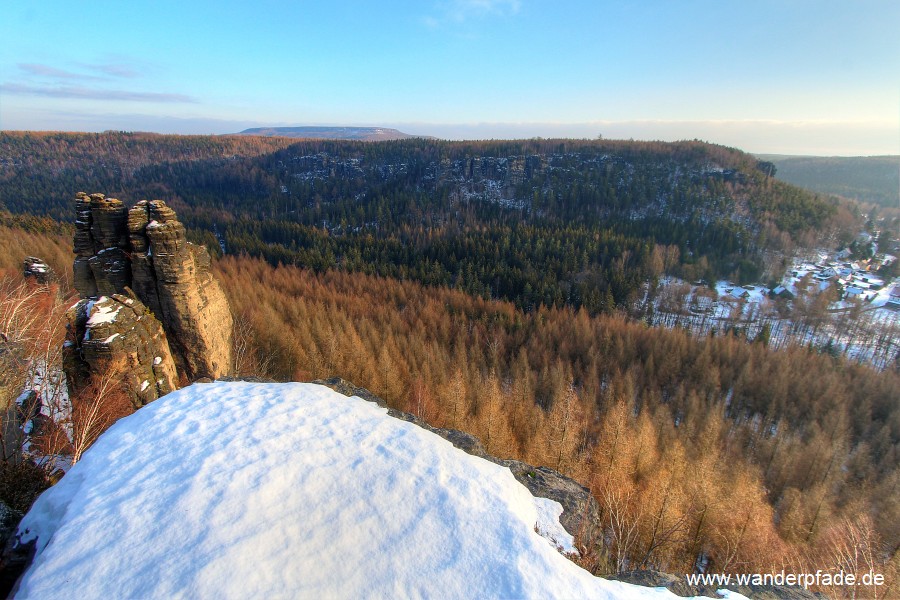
(238, 490)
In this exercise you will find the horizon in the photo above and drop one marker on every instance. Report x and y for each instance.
(802, 78)
(440, 139)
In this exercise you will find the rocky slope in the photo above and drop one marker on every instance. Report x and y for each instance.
(117, 336)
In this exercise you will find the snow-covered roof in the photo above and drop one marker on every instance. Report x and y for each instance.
(243, 490)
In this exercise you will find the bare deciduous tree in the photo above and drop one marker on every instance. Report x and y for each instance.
(96, 407)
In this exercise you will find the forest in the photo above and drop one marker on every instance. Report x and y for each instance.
(580, 223)
(709, 451)
(485, 286)
(705, 453)
(871, 179)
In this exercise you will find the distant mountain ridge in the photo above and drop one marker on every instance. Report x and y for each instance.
(367, 134)
(538, 222)
(863, 178)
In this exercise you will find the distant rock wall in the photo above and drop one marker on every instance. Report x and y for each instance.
(140, 261)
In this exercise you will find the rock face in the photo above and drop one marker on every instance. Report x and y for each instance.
(101, 263)
(119, 333)
(170, 309)
(581, 514)
(188, 300)
(35, 268)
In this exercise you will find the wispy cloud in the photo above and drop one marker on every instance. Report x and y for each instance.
(84, 93)
(74, 119)
(461, 11)
(39, 70)
(84, 72)
(117, 70)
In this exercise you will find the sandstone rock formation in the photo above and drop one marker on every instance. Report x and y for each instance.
(37, 269)
(169, 308)
(188, 299)
(118, 333)
(101, 262)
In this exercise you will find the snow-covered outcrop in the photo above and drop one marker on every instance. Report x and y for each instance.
(237, 490)
(580, 512)
(37, 269)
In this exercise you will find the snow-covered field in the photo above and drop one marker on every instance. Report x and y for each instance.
(243, 490)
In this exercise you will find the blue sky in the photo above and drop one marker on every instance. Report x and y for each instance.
(785, 76)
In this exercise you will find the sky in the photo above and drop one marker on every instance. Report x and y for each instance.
(818, 77)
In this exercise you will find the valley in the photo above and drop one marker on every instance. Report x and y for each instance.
(451, 299)
(550, 298)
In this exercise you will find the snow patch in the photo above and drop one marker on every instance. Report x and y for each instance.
(103, 314)
(549, 527)
(238, 490)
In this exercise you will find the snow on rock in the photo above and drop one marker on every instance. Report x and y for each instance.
(105, 312)
(549, 527)
(110, 331)
(238, 490)
(33, 267)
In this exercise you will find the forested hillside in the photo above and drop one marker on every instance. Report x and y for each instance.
(25, 235)
(874, 179)
(537, 222)
(709, 453)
